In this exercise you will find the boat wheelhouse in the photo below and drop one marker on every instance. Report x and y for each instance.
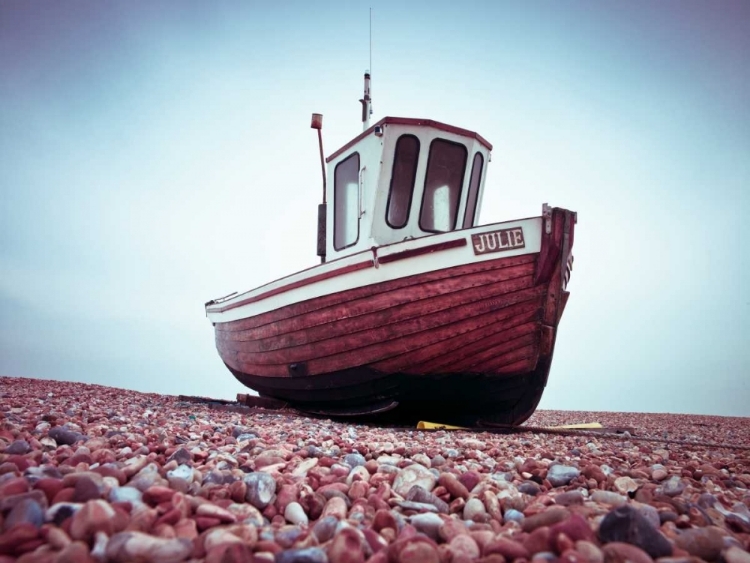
(415, 309)
(403, 179)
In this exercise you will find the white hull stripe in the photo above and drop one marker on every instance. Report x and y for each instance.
(378, 265)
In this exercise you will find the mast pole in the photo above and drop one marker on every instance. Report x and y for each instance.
(366, 101)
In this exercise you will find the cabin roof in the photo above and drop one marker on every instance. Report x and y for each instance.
(414, 122)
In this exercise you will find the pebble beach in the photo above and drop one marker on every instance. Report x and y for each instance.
(97, 474)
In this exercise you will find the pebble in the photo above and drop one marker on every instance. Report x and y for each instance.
(673, 486)
(551, 516)
(415, 550)
(295, 514)
(608, 497)
(474, 510)
(260, 488)
(625, 485)
(18, 447)
(346, 547)
(617, 552)
(354, 460)
(736, 555)
(706, 543)
(464, 547)
(529, 488)
(27, 511)
(569, 498)
(451, 483)
(428, 523)
(512, 515)
(305, 555)
(94, 474)
(507, 548)
(63, 436)
(413, 475)
(129, 546)
(560, 475)
(125, 494)
(626, 524)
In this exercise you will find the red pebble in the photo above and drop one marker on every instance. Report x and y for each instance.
(28, 546)
(50, 487)
(156, 495)
(574, 528)
(237, 491)
(16, 536)
(206, 522)
(64, 495)
(267, 545)
(21, 462)
(171, 517)
(14, 486)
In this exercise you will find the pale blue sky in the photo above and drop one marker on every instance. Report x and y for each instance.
(154, 155)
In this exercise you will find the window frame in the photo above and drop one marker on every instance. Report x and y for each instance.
(460, 187)
(413, 182)
(476, 191)
(335, 192)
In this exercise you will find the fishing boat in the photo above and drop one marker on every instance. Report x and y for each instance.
(416, 310)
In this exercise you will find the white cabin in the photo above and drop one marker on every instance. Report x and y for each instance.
(403, 179)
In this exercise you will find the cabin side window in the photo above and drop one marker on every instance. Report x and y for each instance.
(442, 186)
(404, 173)
(476, 178)
(346, 202)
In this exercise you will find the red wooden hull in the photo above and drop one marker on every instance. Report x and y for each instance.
(469, 342)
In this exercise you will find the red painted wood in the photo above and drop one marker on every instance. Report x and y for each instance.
(486, 348)
(547, 340)
(352, 341)
(563, 303)
(300, 283)
(529, 353)
(553, 299)
(310, 305)
(414, 123)
(439, 356)
(522, 366)
(549, 252)
(378, 302)
(505, 293)
(423, 250)
(403, 337)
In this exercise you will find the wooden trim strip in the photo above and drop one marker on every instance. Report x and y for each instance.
(373, 304)
(300, 283)
(423, 250)
(334, 299)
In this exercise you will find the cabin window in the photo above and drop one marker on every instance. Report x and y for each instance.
(442, 186)
(476, 178)
(403, 175)
(346, 202)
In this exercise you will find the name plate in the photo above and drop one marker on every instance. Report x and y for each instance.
(498, 241)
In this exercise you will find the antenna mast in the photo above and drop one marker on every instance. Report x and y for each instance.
(366, 101)
(370, 39)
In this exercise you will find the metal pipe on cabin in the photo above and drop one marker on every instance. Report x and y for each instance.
(366, 103)
(317, 123)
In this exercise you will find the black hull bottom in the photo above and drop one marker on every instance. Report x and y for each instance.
(458, 399)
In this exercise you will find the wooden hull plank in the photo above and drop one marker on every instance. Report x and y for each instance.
(369, 290)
